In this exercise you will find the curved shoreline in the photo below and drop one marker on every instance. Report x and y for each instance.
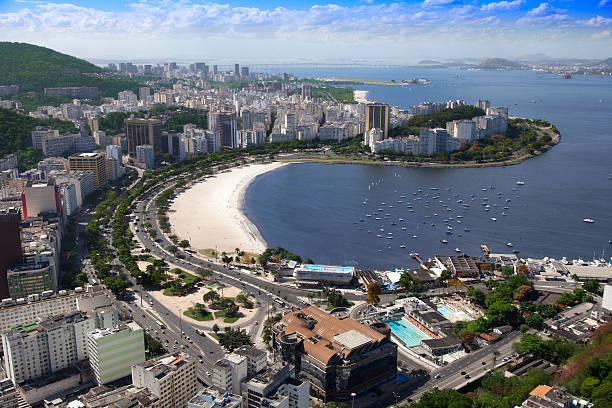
(217, 204)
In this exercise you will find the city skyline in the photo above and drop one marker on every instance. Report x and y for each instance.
(293, 32)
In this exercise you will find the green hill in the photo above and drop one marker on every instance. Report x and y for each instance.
(34, 68)
(499, 63)
(15, 136)
(607, 62)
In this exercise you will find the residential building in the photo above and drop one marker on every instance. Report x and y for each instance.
(40, 198)
(306, 90)
(9, 397)
(68, 198)
(28, 311)
(172, 379)
(463, 130)
(41, 133)
(113, 152)
(114, 169)
(93, 162)
(144, 93)
(83, 181)
(212, 398)
(276, 387)
(257, 360)
(324, 273)
(337, 357)
(230, 372)
(52, 163)
(84, 144)
(9, 90)
(113, 351)
(59, 145)
(482, 104)
(58, 341)
(544, 396)
(140, 132)
(145, 156)
(372, 136)
(377, 116)
(10, 242)
(8, 162)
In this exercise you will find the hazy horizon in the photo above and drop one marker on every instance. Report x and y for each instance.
(368, 31)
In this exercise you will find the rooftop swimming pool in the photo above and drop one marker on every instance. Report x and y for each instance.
(443, 311)
(409, 334)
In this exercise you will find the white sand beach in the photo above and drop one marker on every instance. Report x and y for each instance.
(209, 213)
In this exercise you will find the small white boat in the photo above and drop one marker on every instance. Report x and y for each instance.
(493, 219)
(415, 236)
(457, 250)
(509, 244)
(520, 183)
(444, 241)
(589, 220)
(402, 246)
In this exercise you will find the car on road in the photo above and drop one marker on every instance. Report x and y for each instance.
(484, 363)
(467, 376)
(200, 360)
(208, 374)
(463, 373)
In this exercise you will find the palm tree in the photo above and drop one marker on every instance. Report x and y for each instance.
(496, 354)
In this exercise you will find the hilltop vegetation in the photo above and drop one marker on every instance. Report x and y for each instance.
(34, 68)
(16, 137)
(499, 63)
(435, 120)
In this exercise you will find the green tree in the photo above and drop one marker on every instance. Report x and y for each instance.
(184, 243)
(231, 339)
(373, 297)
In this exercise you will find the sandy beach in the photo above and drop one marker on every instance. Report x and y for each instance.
(209, 213)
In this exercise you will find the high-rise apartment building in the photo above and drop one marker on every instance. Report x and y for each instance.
(42, 133)
(113, 352)
(93, 162)
(57, 342)
(230, 372)
(171, 378)
(27, 279)
(306, 90)
(237, 70)
(9, 398)
(377, 116)
(145, 156)
(140, 132)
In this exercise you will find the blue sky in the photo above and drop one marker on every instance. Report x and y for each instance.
(312, 31)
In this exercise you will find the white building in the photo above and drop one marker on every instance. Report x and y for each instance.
(113, 352)
(68, 197)
(230, 372)
(372, 136)
(172, 378)
(41, 134)
(113, 152)
(145, 155)
(83, 180)
(58, 342)
(462, 129)
(324, 273)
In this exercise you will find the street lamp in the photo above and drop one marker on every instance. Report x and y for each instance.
(353, 395)
(180, 323)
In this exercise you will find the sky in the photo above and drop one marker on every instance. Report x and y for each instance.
(324, 31)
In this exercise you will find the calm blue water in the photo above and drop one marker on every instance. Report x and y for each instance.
(315, 209)
(442, 310)
(410, 335)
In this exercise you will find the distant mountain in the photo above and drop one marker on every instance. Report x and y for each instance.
(34, 68)
(429, 62)
(607, 62)
(499, 63)
(534, 58)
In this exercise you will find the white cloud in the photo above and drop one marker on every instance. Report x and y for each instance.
(502, 6)
(601, 36)
(598, 21)
(434, 3)
(603, 3)
(544, 9)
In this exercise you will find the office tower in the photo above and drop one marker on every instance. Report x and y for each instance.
(171, 378)
(215, 69)
(24, 280)
(225, 124)
(58, 342)
(145, 156)
(237, 70)
(94, 162)
(306, 90)
(377, 116)
(245, 72)
(113, 351)
(140, 132)
(10, 242)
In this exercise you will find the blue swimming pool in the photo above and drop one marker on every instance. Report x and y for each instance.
(410, 335)
(443, 311)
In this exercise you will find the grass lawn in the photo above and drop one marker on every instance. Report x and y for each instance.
(213, 335)
(219, 314)
(210, 252)
(197, 316)
(230, 319)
